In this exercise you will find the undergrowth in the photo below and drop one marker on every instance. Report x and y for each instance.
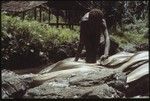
(31, 43)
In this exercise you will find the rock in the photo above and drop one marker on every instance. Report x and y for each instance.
(139, 87)
(13, 85)
(61, 54)
(70, 79)
(77, 85)
(90, 84)
(129, 48)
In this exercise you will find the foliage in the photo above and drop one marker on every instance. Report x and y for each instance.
(133, 33)
(27, 43)
(30, 43)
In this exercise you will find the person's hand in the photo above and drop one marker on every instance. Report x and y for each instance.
(103, 57)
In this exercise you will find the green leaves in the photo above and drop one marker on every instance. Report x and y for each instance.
(133, 34)
(26, 43)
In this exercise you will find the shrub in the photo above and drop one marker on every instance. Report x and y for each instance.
(27, 43)
(134, 34)
(30, 43)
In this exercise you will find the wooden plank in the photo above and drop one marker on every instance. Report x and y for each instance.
(40, 13)
(69, 19)
(35, 13)
(23, 15)
(49, 15)
(57, 18)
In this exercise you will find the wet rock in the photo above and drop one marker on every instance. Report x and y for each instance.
(69, 79)
(13, 85)
(61, 54)
(90, 84)
(129, 48)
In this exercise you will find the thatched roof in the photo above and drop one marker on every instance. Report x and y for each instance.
(69, 4)
(20, 6)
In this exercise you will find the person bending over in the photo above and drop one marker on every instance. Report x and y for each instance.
(93, 28)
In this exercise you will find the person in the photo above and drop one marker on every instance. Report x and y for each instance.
(93, 29)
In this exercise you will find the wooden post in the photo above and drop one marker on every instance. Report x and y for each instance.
(40, 13)
(49, 15)
(23, 15)
(69, 19)
(67, 16)
(62, 26)
(72, 26)
(35, 13)
(57, 18)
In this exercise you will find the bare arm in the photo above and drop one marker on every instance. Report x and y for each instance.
(107, 39)
(83, 28)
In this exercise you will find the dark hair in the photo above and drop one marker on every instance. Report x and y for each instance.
(96, 15)
(95, 20)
